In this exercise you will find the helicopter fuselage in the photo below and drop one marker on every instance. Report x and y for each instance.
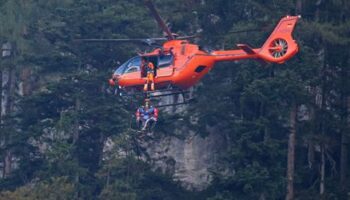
(182, 64)
(187, 65)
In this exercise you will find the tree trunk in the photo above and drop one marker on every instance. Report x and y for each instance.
(298, 7)
(76, 120)
(322, 171)
(5, 87)
(25, 85)
(345, 101)
(322, 125)
(7, 164)
(343, 162)
(1, 89)
(291, 154)
(344, 148)
(7, 90)
(311, 145)
(75, 140)
(311, 153)
(5, 77)
(317, 12)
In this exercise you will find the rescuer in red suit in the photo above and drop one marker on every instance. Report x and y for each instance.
(146, 116)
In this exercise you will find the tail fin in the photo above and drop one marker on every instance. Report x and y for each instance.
(280, 46)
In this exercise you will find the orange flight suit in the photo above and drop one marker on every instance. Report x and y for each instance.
(150, 76)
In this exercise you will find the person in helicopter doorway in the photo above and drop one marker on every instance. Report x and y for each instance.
(148, 68)
(146, 116)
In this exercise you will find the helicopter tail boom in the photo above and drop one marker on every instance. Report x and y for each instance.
(278, 48)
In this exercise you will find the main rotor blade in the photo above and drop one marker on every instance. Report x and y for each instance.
(159, 20)
(188, 37)
(123, 40)
(148, 41)
(246, 30)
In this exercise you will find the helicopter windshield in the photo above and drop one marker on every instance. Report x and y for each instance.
(134, 64)
(129, 66)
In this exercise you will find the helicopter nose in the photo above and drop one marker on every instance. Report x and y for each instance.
(114, 80)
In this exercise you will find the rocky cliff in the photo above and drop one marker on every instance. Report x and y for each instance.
(185, 154)
(189, 160)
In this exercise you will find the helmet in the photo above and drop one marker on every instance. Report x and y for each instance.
(111, 82)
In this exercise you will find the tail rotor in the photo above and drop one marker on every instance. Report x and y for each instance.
(278, 48)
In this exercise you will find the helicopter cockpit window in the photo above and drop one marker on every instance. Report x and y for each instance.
(120, 69)
(133, 65)
(165, 60)
(132, 69)
(129, 66)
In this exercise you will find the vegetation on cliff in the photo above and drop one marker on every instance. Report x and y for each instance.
(56, 113)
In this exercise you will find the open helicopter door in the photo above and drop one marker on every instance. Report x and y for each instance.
(165, 65)
(153, 60)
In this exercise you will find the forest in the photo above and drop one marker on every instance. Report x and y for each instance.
(279, 131)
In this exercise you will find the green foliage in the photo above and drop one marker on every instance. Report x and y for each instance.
(58, 133)
(55, 188)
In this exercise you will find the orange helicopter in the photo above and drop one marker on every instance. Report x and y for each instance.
(180, 64)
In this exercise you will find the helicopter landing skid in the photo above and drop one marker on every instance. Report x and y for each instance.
(163, 93)
(154, 95)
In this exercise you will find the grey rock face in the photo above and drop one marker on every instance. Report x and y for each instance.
(188, 160)
(181, 153)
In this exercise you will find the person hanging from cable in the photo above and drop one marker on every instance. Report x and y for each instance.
(146, 116)
(149, 69)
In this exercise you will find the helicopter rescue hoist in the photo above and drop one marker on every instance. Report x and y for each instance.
(178, 64)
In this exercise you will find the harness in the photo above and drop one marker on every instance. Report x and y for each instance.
(146, 114)
(150, 68)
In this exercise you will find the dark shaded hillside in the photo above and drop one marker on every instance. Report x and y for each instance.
(57, 116)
